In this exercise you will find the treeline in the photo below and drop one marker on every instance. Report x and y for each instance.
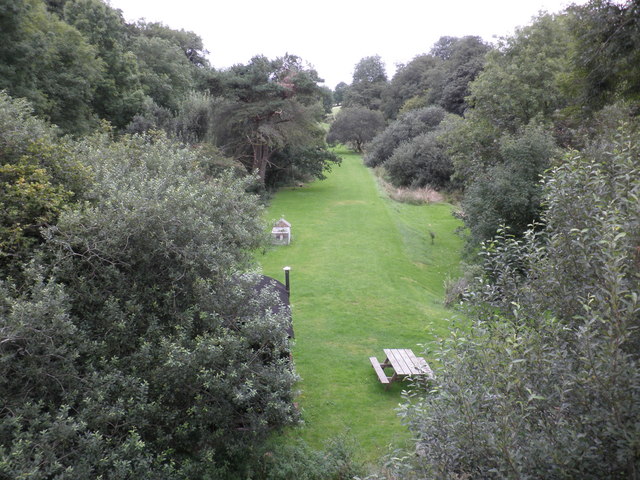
(488, 120)
(539, 137)
(79, 64)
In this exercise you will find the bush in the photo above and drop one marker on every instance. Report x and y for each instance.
(139, 347)
(509, 192)
(405, 128)
(39, 177)
(420, 162)
(298, 461)
(545, 384)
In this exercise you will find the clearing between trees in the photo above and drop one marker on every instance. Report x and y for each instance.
(365, 275)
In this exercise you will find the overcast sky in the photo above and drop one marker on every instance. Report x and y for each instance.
(333, 35)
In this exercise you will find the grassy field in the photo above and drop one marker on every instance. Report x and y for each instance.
(364, 276)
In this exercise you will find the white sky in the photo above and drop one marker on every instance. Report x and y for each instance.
(334, 35)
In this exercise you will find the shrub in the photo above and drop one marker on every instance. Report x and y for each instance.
(509, 192)
(545, 384)
(406, 127)
(419, 162)
(139, 347)
(39, 177)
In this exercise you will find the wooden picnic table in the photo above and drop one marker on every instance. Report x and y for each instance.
(404, 364)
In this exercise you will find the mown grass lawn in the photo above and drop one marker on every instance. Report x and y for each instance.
(364, 276)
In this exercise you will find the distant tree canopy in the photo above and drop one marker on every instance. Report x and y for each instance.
(538, 91)
(355, 126)
(268, 109)
(338, 93)
(77, 62)
(435, 82)
(368, 85)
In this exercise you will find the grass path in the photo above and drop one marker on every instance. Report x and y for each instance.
(364, 277)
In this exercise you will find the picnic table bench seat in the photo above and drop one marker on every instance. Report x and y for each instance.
(376, 366)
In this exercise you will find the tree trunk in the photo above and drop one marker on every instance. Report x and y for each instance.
(261, 155)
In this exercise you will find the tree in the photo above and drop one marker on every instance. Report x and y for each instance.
(268, 106)
(440, 78)
(165, 72)
(544, 382)
(521, 79)
(189, 42)
(49, 62)
(509, 193)
(327, 99)
(607, 55)
(338, 93)
(368, 85)
(465, 60)
(119, 92)
(419, 79)
(355, 126)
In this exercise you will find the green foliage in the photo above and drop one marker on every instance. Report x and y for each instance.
(165, 72)
(50, 63)
(78, 62)
(327, 99)
(521, 79)
(38, 177)
(270, 108)
(413, 81)
(338, 93)
(509, 192)
(194, 121)
(300, 164)
(406, 127)
(545, 382)
(369, 83)
(607, 57)
(119, 93)
(29, 201)
(137, 344)
(421, 161)
(465, 59)
(507, 138)
(298, 461)
(355, 126)
(439, 78)
(190, 43)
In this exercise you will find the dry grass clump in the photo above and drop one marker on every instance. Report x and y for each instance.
(413, 196)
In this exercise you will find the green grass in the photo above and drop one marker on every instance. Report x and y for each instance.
(364, 277)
